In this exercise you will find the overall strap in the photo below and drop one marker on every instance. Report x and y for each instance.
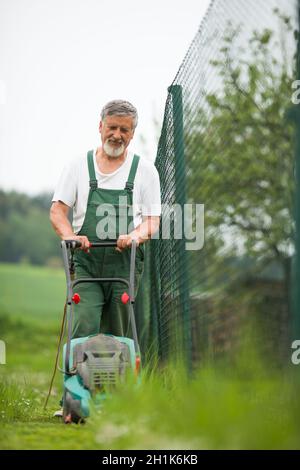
(130, 182)
(92, 174)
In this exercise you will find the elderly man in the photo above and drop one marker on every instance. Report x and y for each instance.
(113, 194)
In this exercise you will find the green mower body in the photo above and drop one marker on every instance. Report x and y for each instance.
(97, 364)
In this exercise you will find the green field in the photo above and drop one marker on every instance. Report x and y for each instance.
(246, 407)
(31, 291)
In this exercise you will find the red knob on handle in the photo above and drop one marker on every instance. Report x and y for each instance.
(76, 298)
(137, 364)
(125, 297)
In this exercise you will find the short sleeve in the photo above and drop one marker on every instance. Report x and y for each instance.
(66, 189)
(151, 199)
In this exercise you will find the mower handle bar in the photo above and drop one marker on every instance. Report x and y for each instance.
(73, 244)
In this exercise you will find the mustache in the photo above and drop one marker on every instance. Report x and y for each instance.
(116, 141)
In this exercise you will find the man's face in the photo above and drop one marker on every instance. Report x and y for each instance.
(116, 134)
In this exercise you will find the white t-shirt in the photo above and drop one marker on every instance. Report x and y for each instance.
(73, 187)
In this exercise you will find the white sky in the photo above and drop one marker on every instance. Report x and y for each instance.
(62, 60)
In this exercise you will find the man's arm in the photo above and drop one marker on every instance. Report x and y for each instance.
(61, 224)
(146, 229)
(140, 234)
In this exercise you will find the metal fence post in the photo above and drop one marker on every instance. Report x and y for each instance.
(181, 198)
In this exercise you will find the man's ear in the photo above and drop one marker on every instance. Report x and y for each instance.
(100, 126)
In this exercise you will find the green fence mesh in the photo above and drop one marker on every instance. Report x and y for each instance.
(227, 143)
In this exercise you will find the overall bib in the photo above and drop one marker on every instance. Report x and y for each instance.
(101, 308)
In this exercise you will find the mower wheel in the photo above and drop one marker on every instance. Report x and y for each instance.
(71, 409)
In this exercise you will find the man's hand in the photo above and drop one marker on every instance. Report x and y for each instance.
(125, 241)
(85, 243)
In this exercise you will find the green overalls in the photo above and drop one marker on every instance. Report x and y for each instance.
(100, 308)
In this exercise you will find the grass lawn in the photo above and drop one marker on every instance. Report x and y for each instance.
(245, 407)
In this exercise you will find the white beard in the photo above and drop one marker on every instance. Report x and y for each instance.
(112, 151)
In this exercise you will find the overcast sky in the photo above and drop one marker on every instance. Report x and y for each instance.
(61, 60)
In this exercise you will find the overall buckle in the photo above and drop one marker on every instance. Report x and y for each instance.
(129, 186)
(93, 184)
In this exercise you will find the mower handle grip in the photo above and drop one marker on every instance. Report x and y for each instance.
(104, 243)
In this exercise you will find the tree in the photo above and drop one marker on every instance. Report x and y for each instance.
(242, 160)
(25, 229)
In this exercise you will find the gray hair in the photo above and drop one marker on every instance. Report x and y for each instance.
(120, 108)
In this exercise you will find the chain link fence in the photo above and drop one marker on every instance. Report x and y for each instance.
(227, 148)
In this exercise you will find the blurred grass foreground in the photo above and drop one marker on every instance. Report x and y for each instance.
(244, 404)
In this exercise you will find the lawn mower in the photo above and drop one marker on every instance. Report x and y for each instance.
(94, 365)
